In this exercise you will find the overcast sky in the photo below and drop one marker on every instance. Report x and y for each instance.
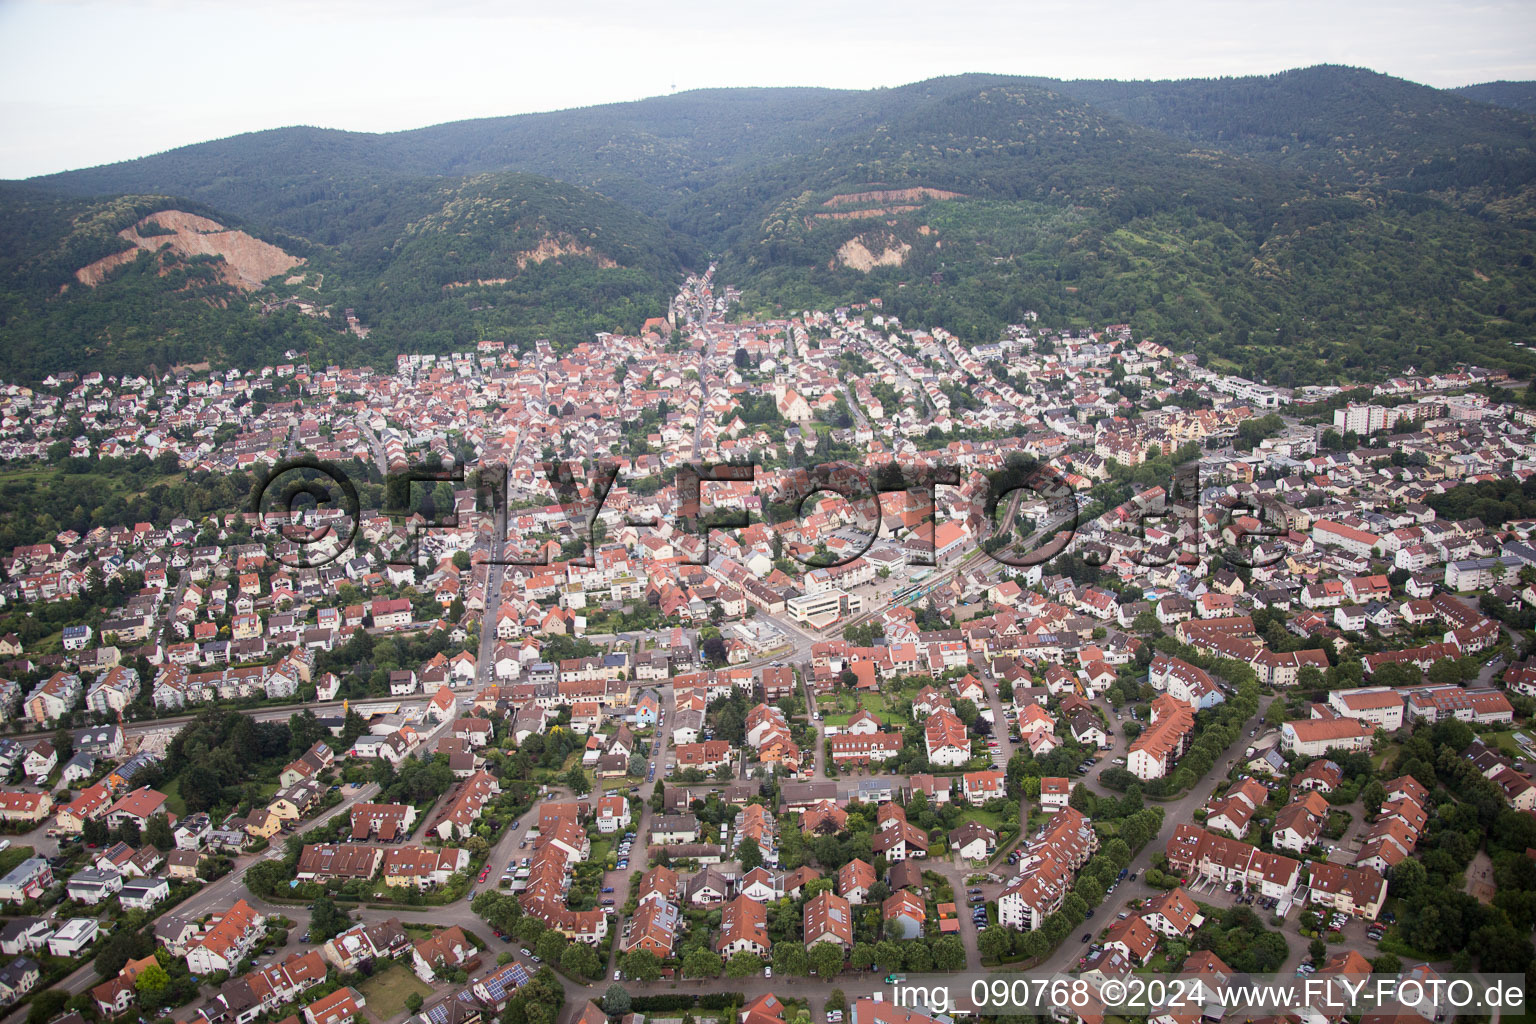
(84, 82)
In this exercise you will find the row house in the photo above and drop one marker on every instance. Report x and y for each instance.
(1312, 737)
(463, 806)
(1046, 871)
(1195, 851)
(53, 698)
(864, 748)
(229, 938)
(1164, 741)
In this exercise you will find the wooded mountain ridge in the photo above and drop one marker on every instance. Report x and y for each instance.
(1307, 226)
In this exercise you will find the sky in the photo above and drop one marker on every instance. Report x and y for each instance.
(84, 82)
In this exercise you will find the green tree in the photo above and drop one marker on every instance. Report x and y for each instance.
(151, 982)
(576, 779)
(743, 965)
(551, 947)
(889, 955)
(993, 942)
(749, 854)
(327, 920)
(120, 947)
(790, 959)
(948, 954)
(826, 959)
(616, 1001)
(157, 833)
(95, 832)
(47, 1005)
(581, 959)
(641, 965)
(701, 963)
(919, 958)
(64, 744)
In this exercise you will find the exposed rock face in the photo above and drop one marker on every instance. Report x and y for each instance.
(856, 253)
(893, 195)
(551, 247)
(248, 261)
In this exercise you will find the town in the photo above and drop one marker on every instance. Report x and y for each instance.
(1250, 694)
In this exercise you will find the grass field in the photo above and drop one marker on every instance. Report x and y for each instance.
(991, 819)
(173, 801)
(386, 991)
(1504, 739)
(844, 703)
(13, 856)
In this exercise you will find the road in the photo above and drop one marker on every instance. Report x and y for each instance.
(375, 444)
(853, 405)
(698, 419)
(275, 713)
(494, 574)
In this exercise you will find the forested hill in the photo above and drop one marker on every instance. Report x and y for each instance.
(1312, 225)
(1514, 95)
(1341, 124)
(132, 282)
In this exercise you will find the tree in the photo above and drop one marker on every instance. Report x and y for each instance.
(714, 650)
(120, 947)
(889, 955)
(581, 959)
(791, 960)
(701, 963)
(1373, 796)
(158, 833)
(1317, 949)
(616, 1001)
(151, 982)
(749, 854)
(327, 920)
(743, 965)
(827, 959)
(576, 779)
(993, 942)
(863, 956)
(64, 744)
(919, 959)
(413, 1002)
(95, 832)
(47, 1005)
(551, 946)
(948, 954)
(641, 965)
